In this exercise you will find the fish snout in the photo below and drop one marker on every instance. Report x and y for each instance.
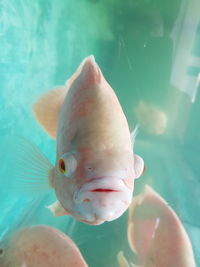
(102, 199)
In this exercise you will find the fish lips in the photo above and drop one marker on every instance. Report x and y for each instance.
(102, 199)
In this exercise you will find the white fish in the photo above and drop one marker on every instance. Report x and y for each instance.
(151, 119)
(95, 168)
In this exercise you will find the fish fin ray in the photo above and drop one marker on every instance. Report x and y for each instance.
(27, 168)
(134, 134)
(47, 109)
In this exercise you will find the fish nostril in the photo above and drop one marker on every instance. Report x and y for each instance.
(89, 168)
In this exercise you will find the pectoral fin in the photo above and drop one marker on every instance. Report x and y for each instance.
(139, 166)
(57, 209)
(26, 168)
(47, 109)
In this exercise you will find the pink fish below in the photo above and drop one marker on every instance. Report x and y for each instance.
(95, 168)
(156, 234)
(41, 246)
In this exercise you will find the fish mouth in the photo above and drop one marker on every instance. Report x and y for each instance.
(104, 190)
(101, 185)
(104, 184)
(102, 199)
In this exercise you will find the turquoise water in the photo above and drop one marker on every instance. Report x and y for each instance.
(149, 51)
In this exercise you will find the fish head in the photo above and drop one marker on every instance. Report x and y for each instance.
(95, 186)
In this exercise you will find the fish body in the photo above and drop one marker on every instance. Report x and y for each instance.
(41, 246)
(93, 127)
(93, 177)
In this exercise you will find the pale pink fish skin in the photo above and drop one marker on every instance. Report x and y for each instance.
(156, 234)
(93, 126)
(42, 246)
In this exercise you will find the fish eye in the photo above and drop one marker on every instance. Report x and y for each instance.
(67, 164)
(62, 167)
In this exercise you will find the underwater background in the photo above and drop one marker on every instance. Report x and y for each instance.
(149, 52)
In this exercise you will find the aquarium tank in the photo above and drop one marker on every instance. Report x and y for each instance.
(149, 53)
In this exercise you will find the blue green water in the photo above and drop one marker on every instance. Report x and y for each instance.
(148, 50)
